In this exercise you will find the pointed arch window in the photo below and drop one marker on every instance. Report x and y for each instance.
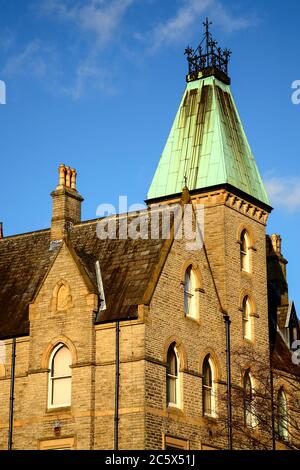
(247, 319)
(172, 376)
(208, 387)
(245, 252)
(250, 418)
(190, 297)
(282, 413)
(60, 377)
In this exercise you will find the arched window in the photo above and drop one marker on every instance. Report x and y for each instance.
(190, 298)
(208, 387)
(250, 418)
(245, 253)
(60, 377)
(247, 319)
(172, 376)
(282, 414)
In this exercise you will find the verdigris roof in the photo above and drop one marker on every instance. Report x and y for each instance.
(208, 145)
(126, 267)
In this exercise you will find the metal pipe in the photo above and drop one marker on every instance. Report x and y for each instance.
(117, 386)
(272, 403)
(11, 398)
(228, 368)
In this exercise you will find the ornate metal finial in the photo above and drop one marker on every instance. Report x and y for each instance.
(185, 181)
(208, 54)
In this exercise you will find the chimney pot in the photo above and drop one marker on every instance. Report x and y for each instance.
(68, 176)
(73, 178)
(62, 175)
(276, 243)
(1, 230)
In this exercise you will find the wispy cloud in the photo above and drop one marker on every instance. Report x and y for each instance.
(284, 192)
(89, 74)
(97, 39)
(34, 60)
(190, 14)
(100, 17)
(97, 23)
(7, 39)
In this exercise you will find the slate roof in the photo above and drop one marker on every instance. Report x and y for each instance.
(208, 145)
(126, 267)
(24, 261)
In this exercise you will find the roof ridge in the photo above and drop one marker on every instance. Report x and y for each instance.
(25, 234)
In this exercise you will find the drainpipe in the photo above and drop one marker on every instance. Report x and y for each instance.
(228, 368)
(272, 402)
(11, 398)
(117, 386)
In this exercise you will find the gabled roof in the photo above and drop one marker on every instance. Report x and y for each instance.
(208, 145)
(281, 357)
(291, 318)
(287, 316)
(127, 267)
(24, 262)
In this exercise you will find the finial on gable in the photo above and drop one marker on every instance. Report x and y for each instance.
(185, 196)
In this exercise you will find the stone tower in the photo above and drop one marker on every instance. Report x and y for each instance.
(207, 147)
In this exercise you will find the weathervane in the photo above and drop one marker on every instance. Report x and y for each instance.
(208, 54)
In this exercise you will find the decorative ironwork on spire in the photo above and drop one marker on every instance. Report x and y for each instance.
(208, 54)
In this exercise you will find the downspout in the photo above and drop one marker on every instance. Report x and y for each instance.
(272, 405)
(11, 398)
(228, 369)
(117, 386)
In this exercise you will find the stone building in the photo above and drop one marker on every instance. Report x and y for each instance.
(123, 342)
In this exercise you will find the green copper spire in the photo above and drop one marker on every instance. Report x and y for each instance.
(207, 143)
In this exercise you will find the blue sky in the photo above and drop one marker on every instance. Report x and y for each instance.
(96, 83)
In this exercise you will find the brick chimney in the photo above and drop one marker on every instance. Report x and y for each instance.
(277, 267)
(66, 203)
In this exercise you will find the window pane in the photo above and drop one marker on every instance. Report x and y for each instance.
(172, 375)
(250, 419)
(207, 400)
(282, 416)
(61, 363)
(172, 362)
(189, 292)
(187, 279)
(207, 375)
(61, 391)
(171, 390)
(244, 252)
(247, 319)
(187, 302)
(207, 388)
